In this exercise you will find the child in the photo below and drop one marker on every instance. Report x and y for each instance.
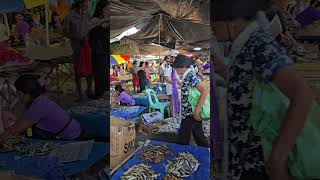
(124, 98)
(47, 119)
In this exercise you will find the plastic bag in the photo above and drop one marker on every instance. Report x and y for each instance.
(136, 80)
(269, 108)
(193, 99)
(85, 65)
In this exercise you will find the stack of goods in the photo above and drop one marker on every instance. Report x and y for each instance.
(154, 153)
(19, 145)
(140, 172)
(184, 165)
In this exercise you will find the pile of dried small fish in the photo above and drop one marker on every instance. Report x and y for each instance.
(154, 153)
(171, 177)
(30, 149)
(206, 128)
(184, 165)
(152, 128)
(140, 172)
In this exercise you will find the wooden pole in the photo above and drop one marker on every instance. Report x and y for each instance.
(7, 24)
(47, 21)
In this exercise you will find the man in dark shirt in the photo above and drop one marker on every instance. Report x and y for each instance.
(99, 42)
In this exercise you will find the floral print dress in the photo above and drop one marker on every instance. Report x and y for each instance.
(264, 56)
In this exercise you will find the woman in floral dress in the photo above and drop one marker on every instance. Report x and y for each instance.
(255, 51)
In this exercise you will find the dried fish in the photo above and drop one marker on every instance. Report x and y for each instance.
(140, 172)
(19, 145)
(171, 177)
(152, 128)
(154, 153)
(184, 165)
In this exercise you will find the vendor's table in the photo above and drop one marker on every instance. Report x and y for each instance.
(128, 115)
(200, 153)
(59, 61)
(99, 150)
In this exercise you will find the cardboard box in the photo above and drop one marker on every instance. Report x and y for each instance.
(122, 140)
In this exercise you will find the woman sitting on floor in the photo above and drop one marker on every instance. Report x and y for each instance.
(124, 98)
(47, 119)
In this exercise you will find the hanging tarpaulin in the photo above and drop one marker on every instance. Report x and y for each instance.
(113, 61)
(11, 6)
(119, 59)
(34, 3)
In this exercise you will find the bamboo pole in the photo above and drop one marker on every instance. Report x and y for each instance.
(47, 21)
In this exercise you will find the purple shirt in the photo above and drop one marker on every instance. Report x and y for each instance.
(22, 28)
(126, 99)
(50, 117)
(308, 16)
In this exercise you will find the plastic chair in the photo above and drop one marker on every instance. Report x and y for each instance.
(154, 102)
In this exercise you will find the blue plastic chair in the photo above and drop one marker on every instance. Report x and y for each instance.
(154, 103)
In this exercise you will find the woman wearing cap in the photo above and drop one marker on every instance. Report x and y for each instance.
(191, 122)
(254, 50)
(47, 119)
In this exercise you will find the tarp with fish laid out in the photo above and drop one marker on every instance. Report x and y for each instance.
(200, 153)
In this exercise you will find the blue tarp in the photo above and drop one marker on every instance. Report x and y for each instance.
(141, 101)
(94, 124)
(201, 153)
(99, 150)
(126, 115)
(7, 6)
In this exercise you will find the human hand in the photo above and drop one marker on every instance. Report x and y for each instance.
(196, 114)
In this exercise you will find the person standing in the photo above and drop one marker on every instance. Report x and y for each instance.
(190, 121)
(134, 71)
(76, 26)
(22, 28)
(99, 42)
(257, 53)
(142, 77)
(147, 70)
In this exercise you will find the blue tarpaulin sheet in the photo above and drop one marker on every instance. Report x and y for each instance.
(94, 124)
(200, 153)
(141, 101)
(126, 115)
(7, 6)
(99, 150)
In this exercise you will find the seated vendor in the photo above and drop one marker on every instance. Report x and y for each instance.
(124, 98)
(47, 119)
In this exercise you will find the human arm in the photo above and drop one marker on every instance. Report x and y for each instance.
(301, 97)
(203, 95)
(271, 63)
(18, 128)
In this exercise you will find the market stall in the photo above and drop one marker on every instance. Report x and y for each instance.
(162, 163)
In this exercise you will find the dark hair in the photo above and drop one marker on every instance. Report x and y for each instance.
(99, 8)
(134, 62)
(147, 63)
(141, 64)
(28, 84)
(119, 88)
(226, 10)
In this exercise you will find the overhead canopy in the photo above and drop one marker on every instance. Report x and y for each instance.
(182, 23)
(11, 6)
(119, 59)
(34, 3)
(113, 61)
